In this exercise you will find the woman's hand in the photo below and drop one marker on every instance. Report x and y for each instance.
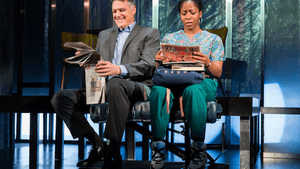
(159, 55)
(201, 57)
(105, 68)
(215, 68)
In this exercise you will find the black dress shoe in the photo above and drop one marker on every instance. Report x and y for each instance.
(113, 163)
(96, 154)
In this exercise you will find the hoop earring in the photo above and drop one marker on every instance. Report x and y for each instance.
(201, 20)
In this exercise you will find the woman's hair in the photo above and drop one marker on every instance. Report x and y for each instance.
(198, 3)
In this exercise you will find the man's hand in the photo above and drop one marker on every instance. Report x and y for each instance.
(81, 64)
(77, 52)
(105, 68)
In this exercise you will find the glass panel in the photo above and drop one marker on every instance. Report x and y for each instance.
(100, 15)
(25, 125)
(282, 67)
(213, 134)
(54, 126)
(246, 47)
(41, 126)
(178, 138)
(40, 91)
(246, 55)
(35, 60)
(144, 13)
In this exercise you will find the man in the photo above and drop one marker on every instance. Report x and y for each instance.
(128, 51)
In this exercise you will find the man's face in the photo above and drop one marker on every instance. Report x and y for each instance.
(123, 14)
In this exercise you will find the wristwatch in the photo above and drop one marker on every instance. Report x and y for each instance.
(209, 64)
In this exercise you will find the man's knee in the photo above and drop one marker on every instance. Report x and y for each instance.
(56, 99)
(60, 98)
(115, 85)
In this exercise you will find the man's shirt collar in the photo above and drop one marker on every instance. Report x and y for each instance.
(128, 28)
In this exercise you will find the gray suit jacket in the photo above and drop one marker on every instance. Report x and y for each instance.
(138, 53)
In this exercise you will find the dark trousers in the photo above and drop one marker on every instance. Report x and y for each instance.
(70, 105)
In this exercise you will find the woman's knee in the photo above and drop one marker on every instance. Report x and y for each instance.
(158, 90)
(191, 90)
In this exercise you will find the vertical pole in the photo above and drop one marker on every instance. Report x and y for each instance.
(155, 13)
(34, 140)
(228, 24)
(52, 43)
(172, 133)
(20, 46)
(245, 142)
(51, 125)
(145, 143)
(187, 144)
(262, 14)
(86, 15)
(228, 43)
(20, 35)
(81, 145)
(19, 124)
(251, 134)
(228, 54)
(45, 129)
(59, 141)
(12, 131)
(130, 143)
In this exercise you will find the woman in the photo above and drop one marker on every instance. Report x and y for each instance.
(194, 97)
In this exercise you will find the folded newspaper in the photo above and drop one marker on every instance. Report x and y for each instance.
(95, 85)
(179, 57)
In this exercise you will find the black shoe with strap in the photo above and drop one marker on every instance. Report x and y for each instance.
(199, 155)
(158, 155)
(113, 163)
(96, 154)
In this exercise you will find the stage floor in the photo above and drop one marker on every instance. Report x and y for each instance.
(146, 165)
(19, 159)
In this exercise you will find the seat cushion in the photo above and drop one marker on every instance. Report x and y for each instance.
(141, 112)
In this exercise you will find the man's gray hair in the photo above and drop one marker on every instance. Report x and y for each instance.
(131, 3)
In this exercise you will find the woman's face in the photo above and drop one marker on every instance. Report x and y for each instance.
(190, 15)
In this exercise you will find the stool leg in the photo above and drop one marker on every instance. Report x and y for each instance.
(145, 143)
(63, 77)
(130, 143)
(12, 131)
(187, 145)
(59, 141)
(19, 122)
(223, 136)
(34, 140)
(45, 125)
(68, 70)
(51, 124)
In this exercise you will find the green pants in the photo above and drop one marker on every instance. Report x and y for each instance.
(194, 105)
